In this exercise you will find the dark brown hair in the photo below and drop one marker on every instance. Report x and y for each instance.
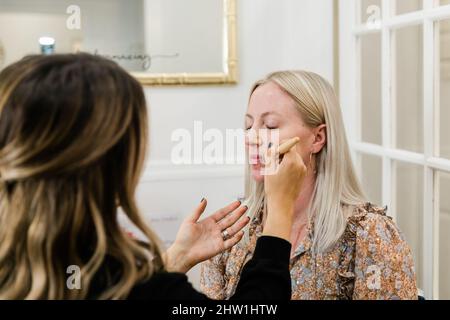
(73, 136)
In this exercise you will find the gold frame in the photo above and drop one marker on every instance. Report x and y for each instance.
(229, 74)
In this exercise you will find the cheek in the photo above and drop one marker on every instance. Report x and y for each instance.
(294, 130)
(306, 140)
(305, 135)
(303, 150)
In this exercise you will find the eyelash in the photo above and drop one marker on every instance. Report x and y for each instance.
(270, 128)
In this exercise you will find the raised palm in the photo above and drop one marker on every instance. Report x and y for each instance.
(202, 240)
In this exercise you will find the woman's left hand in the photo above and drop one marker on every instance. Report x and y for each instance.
(198, 241)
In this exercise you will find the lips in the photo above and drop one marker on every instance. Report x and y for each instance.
(255, 159)
(256, 156)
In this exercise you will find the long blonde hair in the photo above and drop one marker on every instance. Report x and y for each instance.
(73, 136)
(337, 187)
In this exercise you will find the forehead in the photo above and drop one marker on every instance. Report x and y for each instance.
(270, 97)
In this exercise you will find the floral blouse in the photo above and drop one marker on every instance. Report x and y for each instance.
(370, 261)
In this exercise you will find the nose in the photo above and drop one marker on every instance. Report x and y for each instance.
(252, 138)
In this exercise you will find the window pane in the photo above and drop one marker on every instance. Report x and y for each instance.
(444, 31)
(406, 6)
(369, 9)
(371, 88)
(409, 88)
(444, 236)
(371, 177)
(409, 199)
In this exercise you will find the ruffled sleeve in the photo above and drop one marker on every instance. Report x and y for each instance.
(383, 265)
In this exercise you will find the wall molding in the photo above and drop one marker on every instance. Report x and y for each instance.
(167, 171)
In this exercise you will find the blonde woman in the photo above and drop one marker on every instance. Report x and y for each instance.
(342, 246)
(73, 134)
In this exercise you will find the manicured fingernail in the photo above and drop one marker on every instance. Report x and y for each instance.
(203, 199)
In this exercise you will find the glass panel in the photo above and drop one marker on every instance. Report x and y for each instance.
(409, 200)
(151, 36)
(371, 88)
(444, 32)
(409, 87)
(444, 236)
(370, 11)
(371, 177)
(406, 6)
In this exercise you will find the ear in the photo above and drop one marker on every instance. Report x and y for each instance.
(320, 138)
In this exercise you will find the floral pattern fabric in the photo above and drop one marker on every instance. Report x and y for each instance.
(370, 261)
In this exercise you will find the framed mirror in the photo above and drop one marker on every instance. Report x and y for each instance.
(160, 42)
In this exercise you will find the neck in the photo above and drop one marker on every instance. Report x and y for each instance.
(301, 205)
(303, 201)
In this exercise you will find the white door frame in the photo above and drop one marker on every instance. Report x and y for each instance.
(350, 31)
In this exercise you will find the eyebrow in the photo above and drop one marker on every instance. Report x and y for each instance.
(265, 114)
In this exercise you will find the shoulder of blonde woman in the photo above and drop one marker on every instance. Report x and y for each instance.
(383, 258)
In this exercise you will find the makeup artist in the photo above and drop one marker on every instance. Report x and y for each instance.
(73, 136)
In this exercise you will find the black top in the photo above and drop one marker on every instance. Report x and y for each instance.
(265, 276)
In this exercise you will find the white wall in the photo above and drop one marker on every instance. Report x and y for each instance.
(272, 35)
